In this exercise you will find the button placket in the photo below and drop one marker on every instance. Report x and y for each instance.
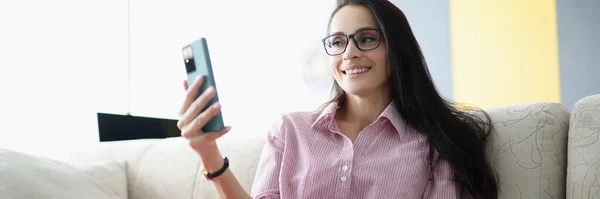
(345, 173)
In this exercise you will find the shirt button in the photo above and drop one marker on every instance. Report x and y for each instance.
(345, 168)
(344, 179)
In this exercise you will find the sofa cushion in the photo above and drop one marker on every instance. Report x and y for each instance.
(528, 150)
(28, 176)
(583, 178)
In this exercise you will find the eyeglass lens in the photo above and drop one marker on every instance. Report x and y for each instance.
(365, 40)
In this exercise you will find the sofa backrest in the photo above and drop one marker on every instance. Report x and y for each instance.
(583, 179)
(528, 150)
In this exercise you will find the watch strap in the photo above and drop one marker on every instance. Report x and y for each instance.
(210, 176)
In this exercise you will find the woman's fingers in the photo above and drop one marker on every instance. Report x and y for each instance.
(190, 95)
(182, 110)
(195, 126)
(192, 117)
(185, 85)
(197, 106)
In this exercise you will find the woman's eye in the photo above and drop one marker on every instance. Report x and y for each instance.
(367, 39)
(337, 44)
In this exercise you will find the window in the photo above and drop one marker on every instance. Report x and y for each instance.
(60, 63)
(260, 52)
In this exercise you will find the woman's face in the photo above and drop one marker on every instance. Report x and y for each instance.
(358, 72)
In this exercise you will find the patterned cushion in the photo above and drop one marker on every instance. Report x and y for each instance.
(528, 150)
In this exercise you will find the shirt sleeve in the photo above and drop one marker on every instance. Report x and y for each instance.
(442, 184)
(266, 181)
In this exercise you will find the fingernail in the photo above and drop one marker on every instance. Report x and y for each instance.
(199, 77)
(217, 105)
(227, 129)
(210, 89)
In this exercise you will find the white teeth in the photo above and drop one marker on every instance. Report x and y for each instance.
(356, 71)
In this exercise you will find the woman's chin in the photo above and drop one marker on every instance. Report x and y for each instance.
(363, 90)
(357, 91)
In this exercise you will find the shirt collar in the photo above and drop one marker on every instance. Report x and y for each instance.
(327, 112)
(390, 113)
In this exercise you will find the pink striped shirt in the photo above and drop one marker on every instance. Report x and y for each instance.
(306, 156)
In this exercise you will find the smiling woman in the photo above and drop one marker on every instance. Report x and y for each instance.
(386, 132)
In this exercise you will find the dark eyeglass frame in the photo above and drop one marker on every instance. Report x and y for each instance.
(348, 37)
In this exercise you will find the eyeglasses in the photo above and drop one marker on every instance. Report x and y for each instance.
(364, 40)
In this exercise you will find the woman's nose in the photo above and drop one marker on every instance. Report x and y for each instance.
(352, 51)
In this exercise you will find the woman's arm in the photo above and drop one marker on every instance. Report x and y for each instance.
(226, 184)
(266, 181)
(192, 119)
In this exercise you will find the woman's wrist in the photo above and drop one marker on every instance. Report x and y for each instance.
(211, 157)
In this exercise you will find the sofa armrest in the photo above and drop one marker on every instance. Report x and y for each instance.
(583, 172)
(156, 168)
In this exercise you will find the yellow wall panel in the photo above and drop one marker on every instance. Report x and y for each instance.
(504, 52)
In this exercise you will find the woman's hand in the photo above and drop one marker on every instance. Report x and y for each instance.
(192, 119)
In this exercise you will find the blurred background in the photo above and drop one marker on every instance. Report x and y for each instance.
(62, 62)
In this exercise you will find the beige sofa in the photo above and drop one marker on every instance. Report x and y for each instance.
(539, 150)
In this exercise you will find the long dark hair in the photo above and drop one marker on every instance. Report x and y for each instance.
(457, 136)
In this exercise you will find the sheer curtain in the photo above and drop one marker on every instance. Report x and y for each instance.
(63, 61)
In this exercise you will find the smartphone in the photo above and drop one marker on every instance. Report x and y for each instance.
(197, 62)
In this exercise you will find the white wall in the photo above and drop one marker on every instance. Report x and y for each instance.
(63, 61)
(578, 49)
(430, 22)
